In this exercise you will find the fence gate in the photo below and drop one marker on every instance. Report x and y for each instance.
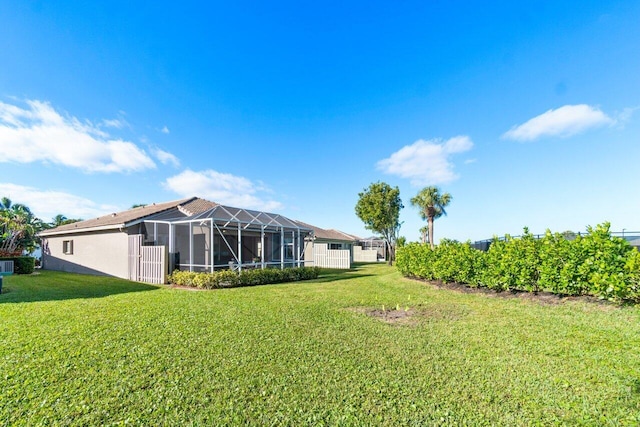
(147, 263)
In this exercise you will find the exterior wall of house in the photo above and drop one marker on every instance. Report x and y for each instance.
(99, 253)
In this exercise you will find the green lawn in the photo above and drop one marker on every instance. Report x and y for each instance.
(83, 350)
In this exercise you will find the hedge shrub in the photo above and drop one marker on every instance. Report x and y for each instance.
(596, 264)
(450, 261)
(230, 279)
(22, 264)
(513, 264)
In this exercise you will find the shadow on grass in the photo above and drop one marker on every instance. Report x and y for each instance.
(336, 277)
(56, 286)
(333, 275)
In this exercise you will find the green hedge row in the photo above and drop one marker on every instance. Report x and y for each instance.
(595, 264)
(22, 264)
(231, 279)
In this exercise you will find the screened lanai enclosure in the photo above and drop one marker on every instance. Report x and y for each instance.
(224, 237)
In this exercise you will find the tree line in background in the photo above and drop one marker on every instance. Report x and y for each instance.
(379, 208)
(19, 228)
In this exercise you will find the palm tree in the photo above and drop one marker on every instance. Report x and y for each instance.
(423, 232)
(5, 204)
(18, 228)
(431, 204)
(58, 220)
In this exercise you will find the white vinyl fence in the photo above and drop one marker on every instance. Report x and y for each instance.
(153, 264)
(147, 263)
(364, 255)
(331, 258)
(6, 267)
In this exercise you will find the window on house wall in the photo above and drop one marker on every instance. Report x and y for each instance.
(67, 247)
(335, 245)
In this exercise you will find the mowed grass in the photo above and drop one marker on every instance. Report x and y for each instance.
(84, 350)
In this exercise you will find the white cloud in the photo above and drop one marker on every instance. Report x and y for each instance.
(165, 157)
(426, 162)
(565, 121)
(115, 123)
(41, 134)
(165, 130)
(221, 188)
(46, 204)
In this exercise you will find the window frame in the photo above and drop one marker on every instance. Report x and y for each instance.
(67, 247)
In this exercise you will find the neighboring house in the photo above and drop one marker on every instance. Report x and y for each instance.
(146, 243)
(328, 248)
(375, 243)
(334, 239)
(332, 248)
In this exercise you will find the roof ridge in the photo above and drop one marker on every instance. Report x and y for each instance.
(171, 204)
(339, 231)
(184, 210)
(310, 225)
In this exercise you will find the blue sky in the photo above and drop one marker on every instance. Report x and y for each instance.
(527, 113)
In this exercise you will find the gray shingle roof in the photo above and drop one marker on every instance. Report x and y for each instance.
(196, 206)
(190, 206)
(330, 234)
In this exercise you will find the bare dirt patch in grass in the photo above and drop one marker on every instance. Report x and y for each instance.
(408, 316)
(401, 317)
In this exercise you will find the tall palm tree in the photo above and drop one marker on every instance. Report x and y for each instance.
(7, 205)
(431, 203)
(423, 232)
